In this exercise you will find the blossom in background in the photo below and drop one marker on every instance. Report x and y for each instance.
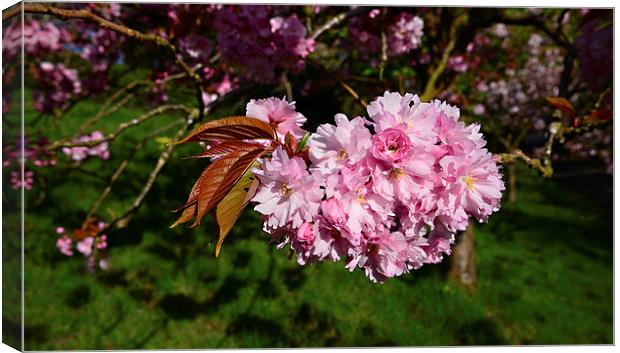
(79, 153)
(57, 85)
(595, 50)
(263, 45)
(38, 38)
(17, 182)
(404, 32)
(387, 202)
(87, 242)
(35, 155)
(195, 49)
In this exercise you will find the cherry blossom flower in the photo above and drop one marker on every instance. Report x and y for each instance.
(278, 113)
(288, 192)
(332, 146)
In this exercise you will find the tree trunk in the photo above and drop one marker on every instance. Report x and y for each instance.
(512, 183)
(462, 262)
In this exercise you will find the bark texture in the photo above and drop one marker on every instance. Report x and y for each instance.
(462, 262)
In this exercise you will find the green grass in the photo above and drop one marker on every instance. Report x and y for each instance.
(544, 273)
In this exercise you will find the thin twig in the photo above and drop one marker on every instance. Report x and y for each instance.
(121, 167)
(122, 127)
(122, 220)
(86, 14)
(535, 163)
(430, 90)
(334, 21)
(353, 94)
(288, 87)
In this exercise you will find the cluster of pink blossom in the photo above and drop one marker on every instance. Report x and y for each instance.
(475, 52)
(219, 89)
(16, 181)
(35, 153)
(265, 45)
(593, 144)
(103, 49)
(403, 34)
(387, 201)
(57, 84)
(38, 38)
(517, 98)
(79, 153)
(89, 244)
(195, 49)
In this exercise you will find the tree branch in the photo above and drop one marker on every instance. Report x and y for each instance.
(121, 221)
(85, 14)
(121, 167)
(430, 90)
(122, 127)
(353, 94)
(334, 21)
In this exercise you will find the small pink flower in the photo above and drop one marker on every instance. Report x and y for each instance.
(104, 264)
(60, 230)
(391, 145)
(86, 246)
(102, 242)
(288, 192)
(64, 245)
(278, 113)
(333, 146)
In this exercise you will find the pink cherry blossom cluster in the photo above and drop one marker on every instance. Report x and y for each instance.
(17, 183)
(592, 144)
(34, 155)
(264, 44)
(92, 247)
(519, 96)
(39, 38)
(475, 52)
(80, 153)
(102, 50)
(403, 33)
(57, 84)
(386, 194)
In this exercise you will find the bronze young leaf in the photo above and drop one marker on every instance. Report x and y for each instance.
(231, 128)
(229, 209)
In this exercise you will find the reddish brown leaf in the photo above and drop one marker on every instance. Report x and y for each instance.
(190, 207)
(603, 114)
(562, 104)
(232, 128)
(229, 209)
(227, 147)
(215, 182)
